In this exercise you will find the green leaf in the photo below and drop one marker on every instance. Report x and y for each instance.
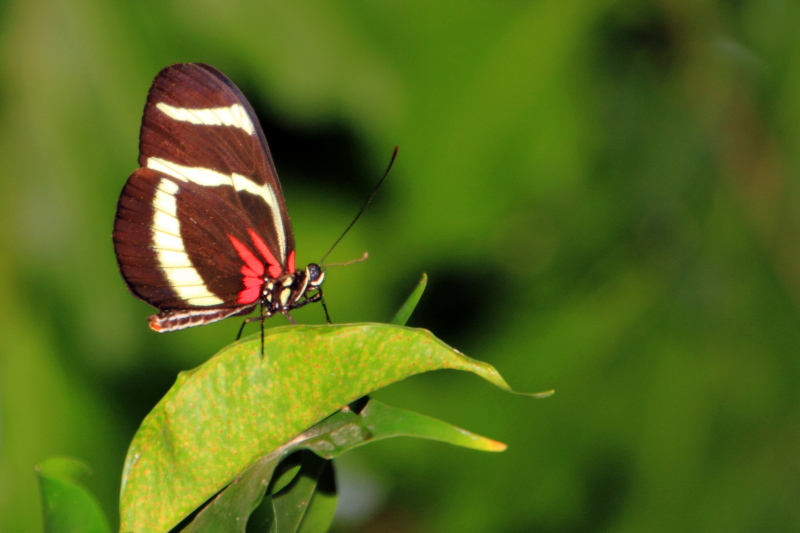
(308, 503)
(322, 507)
(345, 430)
(404, 313)
(230, 510)
(380, 421)
(305, 501)
(68, 506)
(287, 470)
(239, 407)
(332, 437)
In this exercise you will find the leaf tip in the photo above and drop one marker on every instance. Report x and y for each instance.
(495, 446)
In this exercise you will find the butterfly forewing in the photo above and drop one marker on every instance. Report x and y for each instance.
(203, 221)
(196, 117)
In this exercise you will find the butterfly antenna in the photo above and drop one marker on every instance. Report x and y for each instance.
(364, 207)
(359, 260)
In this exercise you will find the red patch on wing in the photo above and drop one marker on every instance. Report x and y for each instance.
(274, 267)
(290, 263)
(252, 270)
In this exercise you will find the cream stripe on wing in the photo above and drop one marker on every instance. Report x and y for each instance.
(170, 251)
(235, 116)
(211, 178)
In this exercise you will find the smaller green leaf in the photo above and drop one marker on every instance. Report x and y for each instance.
(229, 511)
(346, 430)
(308, 503)
(385, 421)
(319, 516)
(241, 506)
(68, 506)
(285, 472)
(404, 313)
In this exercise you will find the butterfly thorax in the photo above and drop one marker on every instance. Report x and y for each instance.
(292, 290)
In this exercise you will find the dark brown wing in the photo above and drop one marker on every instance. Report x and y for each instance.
(204, 218)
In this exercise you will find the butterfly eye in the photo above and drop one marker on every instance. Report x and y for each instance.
(315, 274)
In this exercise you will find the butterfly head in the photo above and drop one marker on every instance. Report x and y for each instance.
(315, 276)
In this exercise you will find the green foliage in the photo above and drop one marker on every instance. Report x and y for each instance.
(301, 496)
(404, 313)
(308, 504)
(240, 407)
(604, 194)
(68, 506)
(228, 438)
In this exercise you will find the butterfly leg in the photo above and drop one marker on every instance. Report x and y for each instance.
(244, 323)
(310, 300)
(241, 329)
(263, 316)
(324, 307)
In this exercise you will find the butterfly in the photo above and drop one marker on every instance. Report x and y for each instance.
(201, 230)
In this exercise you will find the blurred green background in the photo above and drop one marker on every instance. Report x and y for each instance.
(603, 194)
